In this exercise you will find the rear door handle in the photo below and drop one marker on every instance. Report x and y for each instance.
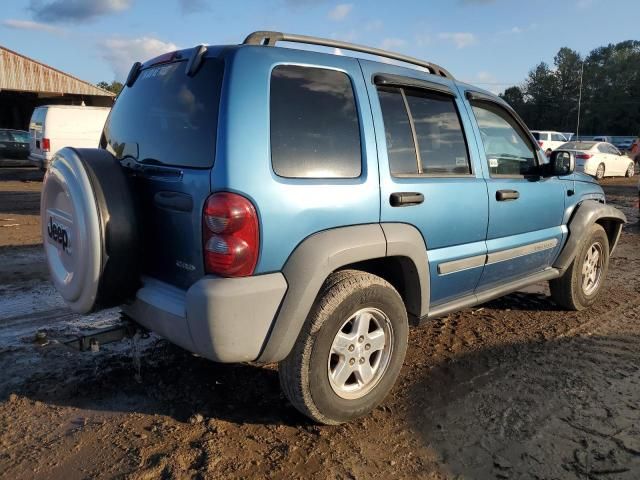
(505, 195)
(405, 199)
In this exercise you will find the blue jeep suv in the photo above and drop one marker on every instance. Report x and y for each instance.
(266, 204)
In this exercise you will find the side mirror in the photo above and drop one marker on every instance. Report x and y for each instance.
(562, 162)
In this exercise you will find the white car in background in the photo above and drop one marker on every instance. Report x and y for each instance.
(600, 159)
(548, 139)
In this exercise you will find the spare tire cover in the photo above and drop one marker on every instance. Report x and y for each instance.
(89, 229)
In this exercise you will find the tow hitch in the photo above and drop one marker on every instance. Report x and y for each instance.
(92, 341)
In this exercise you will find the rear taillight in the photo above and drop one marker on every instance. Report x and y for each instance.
(45, 145)
(230, 234)
(583, 156)
(540, 143)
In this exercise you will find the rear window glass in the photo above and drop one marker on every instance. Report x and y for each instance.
(20, 136)
(37, 118)
(439, 136)
(167, 117)
(314, 124)
(578, 145)
(536, 135)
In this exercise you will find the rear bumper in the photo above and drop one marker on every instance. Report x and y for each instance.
(38, 160)
(223, 319)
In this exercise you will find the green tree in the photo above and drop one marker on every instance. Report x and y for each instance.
(548, 98)
(114, 86)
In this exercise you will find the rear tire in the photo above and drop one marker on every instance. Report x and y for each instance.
(580, 285)
(350, 350)
(600, 172)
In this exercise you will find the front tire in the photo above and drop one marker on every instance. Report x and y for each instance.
(350, 350)
(580, 285)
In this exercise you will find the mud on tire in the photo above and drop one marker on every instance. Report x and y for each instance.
(308, 375)
(572, 291)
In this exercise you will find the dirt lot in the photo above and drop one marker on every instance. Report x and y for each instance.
(513, 389)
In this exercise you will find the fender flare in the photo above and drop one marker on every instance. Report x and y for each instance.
(584, 216)
(322, 253)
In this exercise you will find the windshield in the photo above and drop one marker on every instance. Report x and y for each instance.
(577, 146)
(167, 117)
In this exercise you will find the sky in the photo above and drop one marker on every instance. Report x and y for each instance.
(490, 43)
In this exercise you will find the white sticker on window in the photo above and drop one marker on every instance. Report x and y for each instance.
(493, 163)
(461, 162)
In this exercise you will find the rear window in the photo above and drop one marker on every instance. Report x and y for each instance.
(20, 136)
(167, 117)
(315, 131)
(536, 135)
(37, 119)
(578, 145)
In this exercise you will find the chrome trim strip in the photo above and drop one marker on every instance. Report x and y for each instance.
(467, 263)
(462, 264)
(512, 253)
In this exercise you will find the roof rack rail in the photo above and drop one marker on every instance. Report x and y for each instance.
(270, 38)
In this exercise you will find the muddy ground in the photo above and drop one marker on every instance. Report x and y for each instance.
(515, 388)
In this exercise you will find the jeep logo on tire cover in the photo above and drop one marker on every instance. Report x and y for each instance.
(59, 234)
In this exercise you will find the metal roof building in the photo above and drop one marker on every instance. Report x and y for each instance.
(26, 83)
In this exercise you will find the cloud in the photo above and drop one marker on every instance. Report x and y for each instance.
(75, 10)
(120, 53)
(340, 11)
(193, 6)
(459, 39)
(29, 25)
(392, 43)
(518, 30)
(422, 39)
(374, 25)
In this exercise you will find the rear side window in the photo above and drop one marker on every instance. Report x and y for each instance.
(428, 122)
(315, 131)
(400, 146)
(167, 117)
(556, 137)
(37, 119)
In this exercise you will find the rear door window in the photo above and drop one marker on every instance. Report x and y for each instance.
(315, 131)
(167, 117)
(429, 122)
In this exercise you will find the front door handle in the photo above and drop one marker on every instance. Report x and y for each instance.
(505, 195)
(405, 199)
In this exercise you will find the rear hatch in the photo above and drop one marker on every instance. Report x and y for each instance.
(163, 130)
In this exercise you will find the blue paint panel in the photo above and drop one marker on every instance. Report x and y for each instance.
(290, 209)
(453, 218)
(495, 273)
(447, 287)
